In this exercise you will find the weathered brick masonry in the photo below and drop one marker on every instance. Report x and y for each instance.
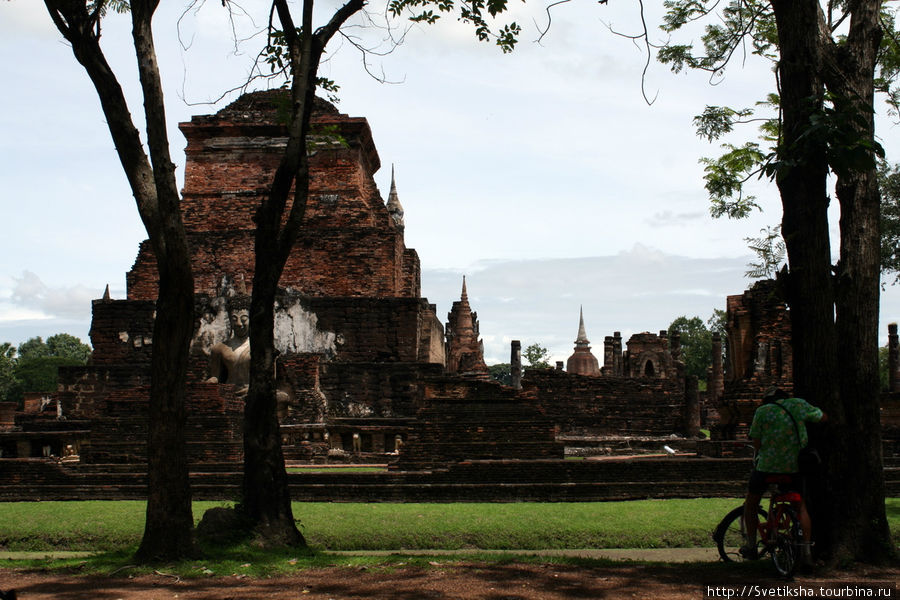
(362, 372)
(580, 404)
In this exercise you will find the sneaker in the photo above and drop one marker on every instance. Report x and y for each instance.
(749, 552)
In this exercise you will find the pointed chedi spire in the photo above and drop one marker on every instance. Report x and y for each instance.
(464, 296)
(582, 335)
(106, 295)
(394, 208)
(582, 361)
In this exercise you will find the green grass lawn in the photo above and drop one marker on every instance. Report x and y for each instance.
(105, 526)
(336, 469)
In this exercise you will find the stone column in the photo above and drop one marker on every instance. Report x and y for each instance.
(617, 354)
(515, 364)
(609, 361)
(716, 384)
(691, 407)
(675, 345)
(893, 359)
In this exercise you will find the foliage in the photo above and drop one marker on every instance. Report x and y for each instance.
(470, 12)
(276, 55)
(40, 374)
(739, 25)
(718, 322)
(10, 386)
(61, 345)
(34, 367)
(537, 356)
(501, 373)
(883, 372)
(889, 182)
(770, 253)
(38, 361)
(696, 343)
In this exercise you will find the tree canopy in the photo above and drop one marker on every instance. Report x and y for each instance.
(889, 181)
(696, 342)
(537, 356)
(34, 367)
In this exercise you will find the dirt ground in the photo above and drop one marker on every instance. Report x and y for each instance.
(463, 581)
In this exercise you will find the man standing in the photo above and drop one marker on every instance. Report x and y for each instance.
(778, 433)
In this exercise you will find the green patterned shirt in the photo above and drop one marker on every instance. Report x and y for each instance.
(774, 429)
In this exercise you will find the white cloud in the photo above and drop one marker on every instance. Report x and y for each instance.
(33, 297)
(10, 313)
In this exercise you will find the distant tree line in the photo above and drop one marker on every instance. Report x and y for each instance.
(32, 367)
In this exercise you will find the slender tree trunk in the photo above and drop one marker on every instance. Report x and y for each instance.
(266, 496)
(168, 533)
(856, 482)
(804, 197)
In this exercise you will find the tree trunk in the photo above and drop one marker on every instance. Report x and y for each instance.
(266, 497)
(856, 477)
(168, 531)
(802, 184)
(804, 197)
(835, 325)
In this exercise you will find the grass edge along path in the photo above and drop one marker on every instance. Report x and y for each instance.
(111, 525)
(102, 526)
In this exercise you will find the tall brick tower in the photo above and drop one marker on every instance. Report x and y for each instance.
(351, 244)
(465, 352)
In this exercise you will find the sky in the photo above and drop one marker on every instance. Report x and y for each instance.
(542, 175)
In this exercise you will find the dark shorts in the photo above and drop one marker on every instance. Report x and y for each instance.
(787, 482)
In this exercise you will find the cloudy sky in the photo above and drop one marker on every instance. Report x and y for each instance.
(542, 175)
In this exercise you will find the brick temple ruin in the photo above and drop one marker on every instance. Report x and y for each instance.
(366, 370)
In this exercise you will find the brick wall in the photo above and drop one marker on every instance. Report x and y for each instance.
(608, 405)
(356, 389)
(464, 420)
(349, 245)
(376, 329)
(213, 430)
(758, 355)
(122, 332)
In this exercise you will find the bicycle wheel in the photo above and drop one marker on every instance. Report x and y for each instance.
(730, 534)
(786, 550)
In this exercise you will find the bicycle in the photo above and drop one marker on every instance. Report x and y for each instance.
(779, 533)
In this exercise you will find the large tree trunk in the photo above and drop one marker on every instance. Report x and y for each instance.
(802, 184)
(835, 325)
(168, 533)
(168, 530)
(855, 467)
(804, 197)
